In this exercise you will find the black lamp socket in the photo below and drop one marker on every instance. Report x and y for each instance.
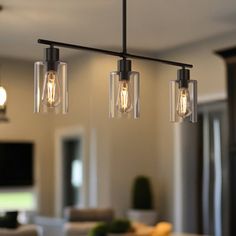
(124, 68)
(183, 77)
(52, 58)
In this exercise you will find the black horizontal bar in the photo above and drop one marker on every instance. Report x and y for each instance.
(172, 63)
(79, 47)
(112, 53)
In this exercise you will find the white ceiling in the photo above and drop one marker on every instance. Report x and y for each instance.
(153, 25)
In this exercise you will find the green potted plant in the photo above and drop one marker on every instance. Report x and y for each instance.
(101, 229)
(116, 227)
(119, 227)
(142, 202)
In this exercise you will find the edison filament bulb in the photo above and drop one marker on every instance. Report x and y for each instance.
(184, 104)
(124, 103)
(51, 89)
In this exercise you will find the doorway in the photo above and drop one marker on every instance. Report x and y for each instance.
(202, 172)
(70, 169)
(72, 172)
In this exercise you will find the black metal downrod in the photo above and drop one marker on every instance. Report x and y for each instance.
(124, 27)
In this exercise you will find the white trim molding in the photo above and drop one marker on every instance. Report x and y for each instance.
(212, 97)
(60, 135)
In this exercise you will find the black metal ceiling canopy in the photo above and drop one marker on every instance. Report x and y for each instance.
(123, 54)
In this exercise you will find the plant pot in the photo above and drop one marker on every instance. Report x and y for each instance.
(148, 217)
(121, 234)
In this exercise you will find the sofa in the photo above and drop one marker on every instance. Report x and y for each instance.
(80, 221)
(23, 230)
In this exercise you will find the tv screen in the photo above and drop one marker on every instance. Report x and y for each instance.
(16, 164)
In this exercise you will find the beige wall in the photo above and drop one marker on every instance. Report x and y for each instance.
(124, 148)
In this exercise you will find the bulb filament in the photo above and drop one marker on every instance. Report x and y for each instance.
(124, 97)
(124, 103)
(51, 90)
(51, 87)
(184, 105)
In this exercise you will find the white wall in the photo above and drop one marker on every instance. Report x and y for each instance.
(209, 71)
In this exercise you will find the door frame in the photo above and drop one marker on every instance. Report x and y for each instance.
(76, 132)
(218, 105)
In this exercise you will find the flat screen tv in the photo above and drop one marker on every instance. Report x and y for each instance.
(16, 164)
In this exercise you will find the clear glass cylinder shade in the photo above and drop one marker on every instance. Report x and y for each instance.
(124, 96)
(183, 102)
(50, 88)
(3, 104)
(3, 98)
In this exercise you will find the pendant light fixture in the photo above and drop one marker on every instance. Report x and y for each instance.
(124, 84)
(183, 98)
(124, 92)
(50, 83)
